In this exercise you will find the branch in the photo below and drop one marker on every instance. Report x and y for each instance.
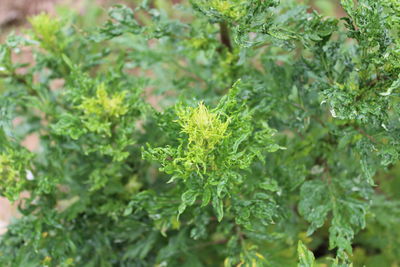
(224, 33)
(362, 132)
(211, 243)
(18, 78)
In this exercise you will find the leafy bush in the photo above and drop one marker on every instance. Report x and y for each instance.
(209, 133)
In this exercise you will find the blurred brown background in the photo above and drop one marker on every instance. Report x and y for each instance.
(14, 12)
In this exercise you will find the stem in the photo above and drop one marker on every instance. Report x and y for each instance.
(22, 80)
(211, 243)
(361, 131)
(224, 33)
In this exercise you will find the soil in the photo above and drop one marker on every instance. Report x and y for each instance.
(14, 12)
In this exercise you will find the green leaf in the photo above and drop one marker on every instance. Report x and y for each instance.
(189, 197)
(306, 257)
(218, 207)
(314, 204)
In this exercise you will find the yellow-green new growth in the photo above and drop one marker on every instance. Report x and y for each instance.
(46, 30)
(6, 171)
(9, 176)
(229, 8)
(104, 105)
(205, 130)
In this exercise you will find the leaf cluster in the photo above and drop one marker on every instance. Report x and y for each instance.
(206, 133)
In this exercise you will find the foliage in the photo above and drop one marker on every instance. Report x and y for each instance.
(205, 133)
